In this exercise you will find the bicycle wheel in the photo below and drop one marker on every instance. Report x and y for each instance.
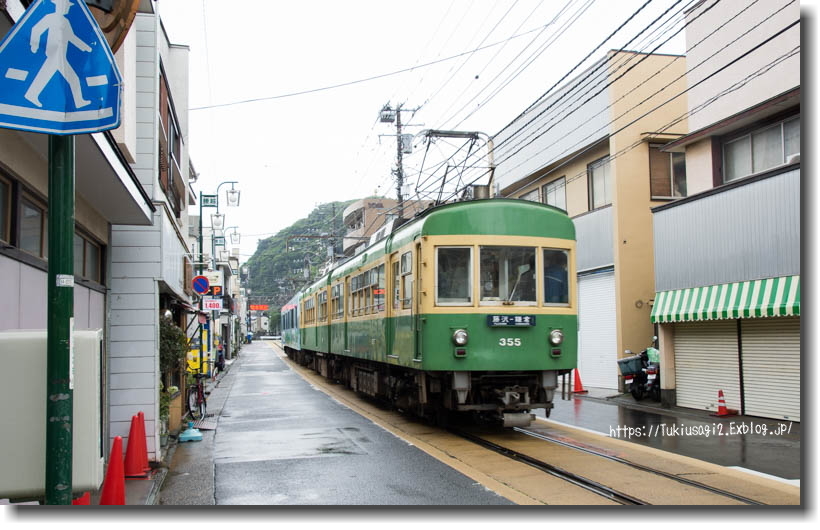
(193, 404)
(203, 403)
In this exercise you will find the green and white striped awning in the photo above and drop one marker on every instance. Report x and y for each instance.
(772, 297)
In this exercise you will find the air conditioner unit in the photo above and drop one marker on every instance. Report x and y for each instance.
(23, 356)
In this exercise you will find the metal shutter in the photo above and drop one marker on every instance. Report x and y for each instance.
(771, 367)
(706, 360)
(597, 344)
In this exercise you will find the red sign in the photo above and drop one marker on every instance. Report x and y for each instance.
(259, 307)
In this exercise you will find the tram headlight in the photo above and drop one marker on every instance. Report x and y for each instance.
(556, 337)
(460, 337)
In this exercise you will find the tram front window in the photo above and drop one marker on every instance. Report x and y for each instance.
(454, 276)
(508, 274)
(556, 286)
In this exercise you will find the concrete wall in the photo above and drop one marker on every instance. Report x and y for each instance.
(764, 21)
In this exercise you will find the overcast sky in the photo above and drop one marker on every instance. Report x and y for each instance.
(293, 152)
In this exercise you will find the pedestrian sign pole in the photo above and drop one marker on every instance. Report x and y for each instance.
(58, 76)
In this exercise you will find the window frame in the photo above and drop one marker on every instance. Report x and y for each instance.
(470, 274)
(536, 278)
(603, 162)
(406, 276)
(38, 205)
(543, 275)
(545, 191)
(670, 166)
(6, 210)
(748, 135)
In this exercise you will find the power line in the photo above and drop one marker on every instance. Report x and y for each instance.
(363, 80)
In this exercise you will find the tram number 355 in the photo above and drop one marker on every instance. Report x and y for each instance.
(509, 341)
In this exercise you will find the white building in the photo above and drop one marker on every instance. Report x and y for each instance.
(727, 257)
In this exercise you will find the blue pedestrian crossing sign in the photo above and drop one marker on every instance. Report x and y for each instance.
(57, 72)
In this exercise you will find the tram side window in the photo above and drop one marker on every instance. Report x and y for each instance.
(407, 279)
(556, 284)
(396, 286)
(379, 288)
(507, 274)
(454, 275)
(322, 306)
(336, 302)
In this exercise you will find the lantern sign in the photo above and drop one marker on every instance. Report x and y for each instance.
(259, 307)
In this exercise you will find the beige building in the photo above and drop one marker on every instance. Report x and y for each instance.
(591, 148)
(365, 217)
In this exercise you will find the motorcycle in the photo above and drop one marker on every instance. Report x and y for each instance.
(642, 373)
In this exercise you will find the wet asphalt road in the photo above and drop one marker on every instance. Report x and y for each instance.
(728, 441)
(281, 441)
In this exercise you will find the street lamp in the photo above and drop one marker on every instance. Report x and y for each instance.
(217, 222)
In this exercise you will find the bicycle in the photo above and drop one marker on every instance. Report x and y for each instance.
(196, 398)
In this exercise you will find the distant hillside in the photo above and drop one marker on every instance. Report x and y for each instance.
(276, 272)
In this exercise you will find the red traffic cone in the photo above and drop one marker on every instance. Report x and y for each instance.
(722, 410)
(133, 454)
(82, 500)
(577, 387)
(144, 441)
(113, 488)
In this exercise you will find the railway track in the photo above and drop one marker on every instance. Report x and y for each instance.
(588, 484)
(578, 480)
(641, 467)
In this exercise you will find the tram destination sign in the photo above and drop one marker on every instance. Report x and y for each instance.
(512, 321)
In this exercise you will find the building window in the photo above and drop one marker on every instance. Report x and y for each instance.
(555, 193)
(761, 150)
(33, 228)
(531, 196)
(5, 210)
(87, 256)
(600, 183)
(667, 173)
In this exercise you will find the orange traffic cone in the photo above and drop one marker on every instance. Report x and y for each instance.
(722, 410)
(133, 454)
(577, 387)
(144, 440)
(113, 488)
(82, 500)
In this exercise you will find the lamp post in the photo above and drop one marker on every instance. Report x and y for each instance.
(212, 201)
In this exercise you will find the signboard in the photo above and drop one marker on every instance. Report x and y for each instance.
(209, 201)
(215, 290)
(212, 304)
(219, 241)
(259, 307)
(57, 73)
(510, 320)
(200, 284)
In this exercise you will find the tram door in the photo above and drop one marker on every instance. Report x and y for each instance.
(393, 304)
(418, 321)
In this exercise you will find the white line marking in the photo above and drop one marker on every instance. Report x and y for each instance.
(97, 80)
(17, 75)
(55, 116)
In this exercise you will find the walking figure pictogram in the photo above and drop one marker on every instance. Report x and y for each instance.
(59, 34)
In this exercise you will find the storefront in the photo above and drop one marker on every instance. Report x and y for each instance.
(742, 338)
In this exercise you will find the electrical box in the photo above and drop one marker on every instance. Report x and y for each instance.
(23, 358)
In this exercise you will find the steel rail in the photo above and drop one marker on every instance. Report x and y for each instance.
(582, 482)
(642, 467)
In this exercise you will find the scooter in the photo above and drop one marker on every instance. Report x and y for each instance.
(642, 373)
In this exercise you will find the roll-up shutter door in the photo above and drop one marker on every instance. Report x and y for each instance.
(771, 367)
(706, 361)
(597, 345)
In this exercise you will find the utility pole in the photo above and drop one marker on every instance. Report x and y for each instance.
(399, 167)
(387, 115)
